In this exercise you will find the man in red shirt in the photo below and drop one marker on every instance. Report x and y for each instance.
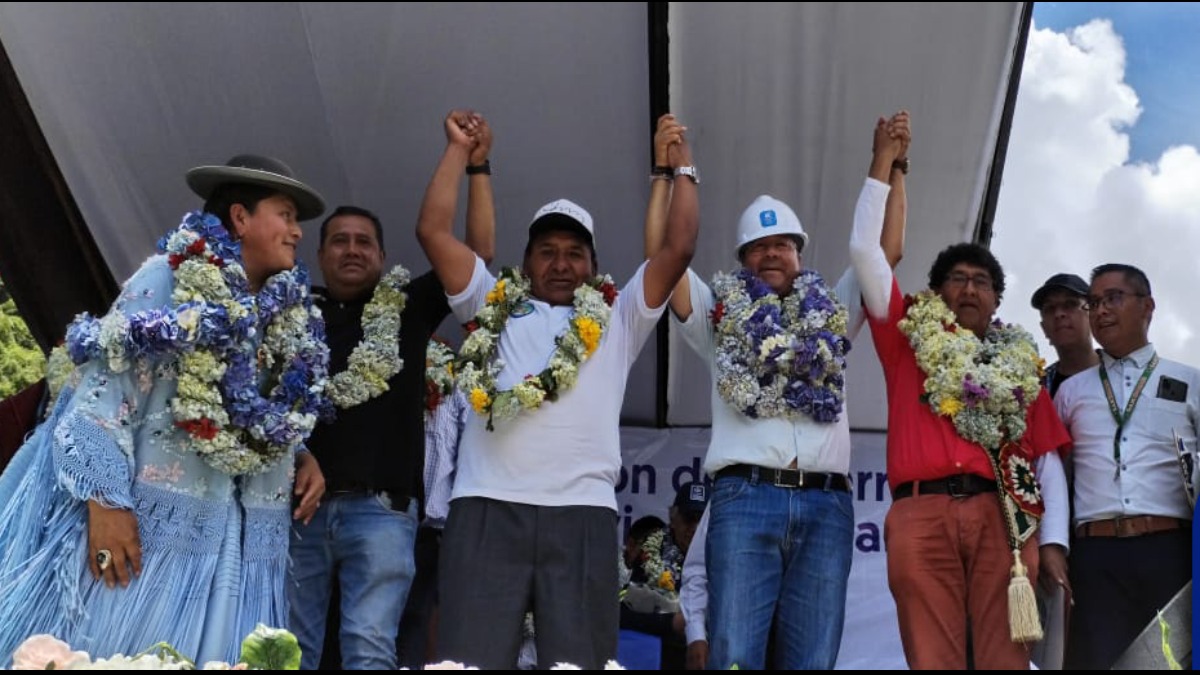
(963, 399)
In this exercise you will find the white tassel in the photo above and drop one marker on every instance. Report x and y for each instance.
(1023, 622)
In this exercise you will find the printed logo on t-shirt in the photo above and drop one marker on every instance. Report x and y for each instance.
(522, 309)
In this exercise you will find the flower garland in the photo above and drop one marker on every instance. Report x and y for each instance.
(780, 357)
(212, 328)
(984, 386)
(662, 562)
(439, 373)
(478, 366)
(376, 359)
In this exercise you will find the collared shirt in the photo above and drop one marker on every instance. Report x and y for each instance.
(1148, 480)
(925, 446)
(778, 442)
(443, 430)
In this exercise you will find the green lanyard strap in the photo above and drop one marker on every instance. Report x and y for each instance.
(1118, 417)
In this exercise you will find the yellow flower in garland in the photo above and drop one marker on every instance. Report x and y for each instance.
(589, 332)
(665, 581)
(478, 365)
(983, 385)
(950, 407)
(496, 295)
(480, 400)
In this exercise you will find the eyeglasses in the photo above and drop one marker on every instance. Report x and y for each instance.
(1067, 306)
(982, 282)
(1113, 300)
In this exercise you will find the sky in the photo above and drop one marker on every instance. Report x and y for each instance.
(1103, 163)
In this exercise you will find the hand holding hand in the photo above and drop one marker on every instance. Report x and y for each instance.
(482, 136)
(899, 128)
(460, 128)
(668, 133)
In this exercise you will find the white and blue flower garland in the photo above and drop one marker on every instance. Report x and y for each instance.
(211, 328)
(780, 356)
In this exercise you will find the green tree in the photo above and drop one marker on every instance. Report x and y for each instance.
(21, 361)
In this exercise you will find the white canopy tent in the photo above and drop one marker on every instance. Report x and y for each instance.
(779, 98)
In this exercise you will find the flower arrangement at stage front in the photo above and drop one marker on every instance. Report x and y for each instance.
(264, 649)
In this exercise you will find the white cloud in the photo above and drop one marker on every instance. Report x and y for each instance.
(1071, 201)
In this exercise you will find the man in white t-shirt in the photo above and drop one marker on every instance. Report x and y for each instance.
(533, 508)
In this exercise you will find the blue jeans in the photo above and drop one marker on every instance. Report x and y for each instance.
(777, 555)
(370, 547)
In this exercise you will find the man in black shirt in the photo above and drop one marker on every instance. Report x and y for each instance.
(1060, 301)
(372, 452)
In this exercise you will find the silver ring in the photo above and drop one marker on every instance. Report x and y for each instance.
(104, 558)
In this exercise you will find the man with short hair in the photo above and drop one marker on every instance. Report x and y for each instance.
(774, 336)
(545, 365)
(1060, 301)
(967, 420)
(1133, 521)
(372, 451)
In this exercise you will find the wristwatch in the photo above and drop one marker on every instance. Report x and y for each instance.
(901, 165)
(689, 171)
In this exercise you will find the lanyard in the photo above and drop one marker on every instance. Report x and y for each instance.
(1119, 418)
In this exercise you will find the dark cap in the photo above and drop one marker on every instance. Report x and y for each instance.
(692, 498)
(1066, 282)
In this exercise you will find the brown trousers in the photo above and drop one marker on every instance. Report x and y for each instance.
(948, 569)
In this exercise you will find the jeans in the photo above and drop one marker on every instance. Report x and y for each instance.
(777, 556)
(370, 547)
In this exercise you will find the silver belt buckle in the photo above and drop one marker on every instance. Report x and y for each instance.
(779, 482)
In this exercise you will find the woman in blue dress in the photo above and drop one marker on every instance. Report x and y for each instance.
(154, 504)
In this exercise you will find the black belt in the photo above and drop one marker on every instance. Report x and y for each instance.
(788, 478)
(399, 502)
(962, 485)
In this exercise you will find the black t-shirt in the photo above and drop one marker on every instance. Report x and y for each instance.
(380, 444)
(1054, 379)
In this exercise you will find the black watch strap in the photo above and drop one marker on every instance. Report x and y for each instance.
(476, 169)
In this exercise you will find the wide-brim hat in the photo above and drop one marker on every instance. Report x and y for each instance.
(261, 171)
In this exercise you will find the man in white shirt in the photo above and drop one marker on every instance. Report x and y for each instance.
(780, 535)
(534, 509)
(1133, 533)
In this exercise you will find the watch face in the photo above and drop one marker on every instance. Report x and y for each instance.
(690, 172)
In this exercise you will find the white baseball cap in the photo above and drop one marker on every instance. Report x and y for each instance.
(563, 214)
(766, 217)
